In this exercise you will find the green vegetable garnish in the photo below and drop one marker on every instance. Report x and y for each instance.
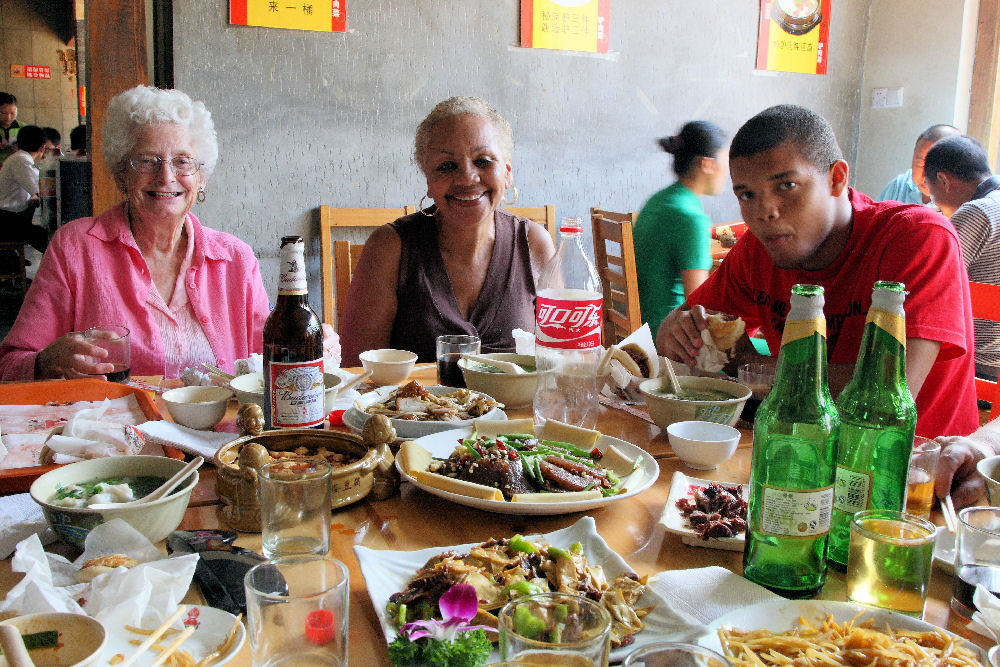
(518, 543)
(527, 624)
(45, 639)
(561, 611)
(576, 548)
(469, 649)
(556, 552)
(524, 587)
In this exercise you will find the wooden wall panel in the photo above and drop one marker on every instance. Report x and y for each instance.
(984, 105)
(116, 55)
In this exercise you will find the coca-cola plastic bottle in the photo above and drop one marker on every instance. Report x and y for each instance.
(568, 333)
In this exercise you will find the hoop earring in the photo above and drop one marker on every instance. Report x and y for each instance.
(503, 200)
(201, 195)
(423, 211)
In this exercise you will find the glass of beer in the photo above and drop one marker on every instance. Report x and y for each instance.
(555, 629)
(920, 477)
(675, 654)
(889, 560)
(449, 350)
(977, 557)
(115, 339)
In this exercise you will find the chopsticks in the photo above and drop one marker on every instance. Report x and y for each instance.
(216, 371)
(950, 516)
(156, 634)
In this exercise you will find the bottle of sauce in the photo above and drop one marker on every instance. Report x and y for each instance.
(568, 333)
(878, 418)
(293, 348)
(792, 471)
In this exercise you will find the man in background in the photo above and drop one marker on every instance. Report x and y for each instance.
(19, 189)
(909, 187)
(958, 175)
(9, 126)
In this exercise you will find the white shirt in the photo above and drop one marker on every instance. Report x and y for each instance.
(18, 181)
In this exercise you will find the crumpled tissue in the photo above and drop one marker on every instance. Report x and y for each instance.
(86, 436)
(986, 620)
(143, 595)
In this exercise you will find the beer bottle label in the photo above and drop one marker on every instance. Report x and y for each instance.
(796, 329)
(297, 394)
(893, 324)
(852, 490)
(796, 513)
(292, 279)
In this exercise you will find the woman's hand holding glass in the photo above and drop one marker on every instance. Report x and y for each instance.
(69, 357)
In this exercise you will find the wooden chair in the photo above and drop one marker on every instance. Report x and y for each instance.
(15, 271)
(986, 306)
(345, 261)
(543, 215)
(329, 218)
(619, 280)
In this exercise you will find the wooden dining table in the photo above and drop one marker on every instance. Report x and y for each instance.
(414, 519)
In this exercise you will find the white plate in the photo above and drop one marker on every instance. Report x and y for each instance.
(783, 615)
(441, 445)
(388, 572)
(212, 627)
(356, 417)
(674, 522)
(944, 551)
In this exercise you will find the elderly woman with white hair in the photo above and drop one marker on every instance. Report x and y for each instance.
(461, 266)
(187, 293)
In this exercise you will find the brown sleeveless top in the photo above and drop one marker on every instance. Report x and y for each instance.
(425, 302)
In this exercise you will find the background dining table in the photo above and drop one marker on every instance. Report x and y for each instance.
(414, 519)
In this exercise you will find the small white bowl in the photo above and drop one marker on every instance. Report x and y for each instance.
(514, 391)
(703, 445)
(989, 468)
(249, 388)
(198, 407)
(80, 642)
(388, 366)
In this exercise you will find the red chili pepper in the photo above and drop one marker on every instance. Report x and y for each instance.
(336, 417)
(319, 627)
(596, 453)
(512, 454)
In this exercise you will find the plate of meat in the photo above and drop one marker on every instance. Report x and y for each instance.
(706, 513)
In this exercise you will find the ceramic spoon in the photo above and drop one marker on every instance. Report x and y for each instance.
(506, 366)
(13, 647)
(161, 491)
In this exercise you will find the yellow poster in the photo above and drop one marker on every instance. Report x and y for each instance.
(793, 36)
(568, 25)
(325, 16)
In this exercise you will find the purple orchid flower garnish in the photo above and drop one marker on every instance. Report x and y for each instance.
(458, 605)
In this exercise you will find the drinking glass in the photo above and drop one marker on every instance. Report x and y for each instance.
(555, 629)
(297, 612)
(889, 560)
(295, 498)
(674, 654)
(920, 477)
(115, 339)
(759, 378)
(449, 350)
(977, 557)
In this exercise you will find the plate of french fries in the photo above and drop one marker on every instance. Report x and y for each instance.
(832, 633)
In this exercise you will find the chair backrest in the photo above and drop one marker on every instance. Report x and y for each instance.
(986, 306)
(616, 268)
(344, 217)
(543, 215)
(345, 261)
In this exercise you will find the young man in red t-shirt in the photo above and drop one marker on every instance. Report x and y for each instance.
(808, 226)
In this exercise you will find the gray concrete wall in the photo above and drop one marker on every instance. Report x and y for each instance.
(929, 54)
(308, 118)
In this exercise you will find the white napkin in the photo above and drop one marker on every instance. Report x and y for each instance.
(200, 443)
(147, 593)
(986, 621)
(706, 593)
(524, 342)
(86, 435)
(20, 518)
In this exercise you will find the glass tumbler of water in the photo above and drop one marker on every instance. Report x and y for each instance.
(977, 557)
(295, 498)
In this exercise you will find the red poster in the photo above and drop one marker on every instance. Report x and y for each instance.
(568, 25)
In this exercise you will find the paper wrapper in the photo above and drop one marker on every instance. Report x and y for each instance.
(87, 436)
(144, 595)
(622, 384)
(986, 620)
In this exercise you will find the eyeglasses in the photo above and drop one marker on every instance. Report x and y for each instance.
(182, 165)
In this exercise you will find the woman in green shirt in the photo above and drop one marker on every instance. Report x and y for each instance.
(672, 237)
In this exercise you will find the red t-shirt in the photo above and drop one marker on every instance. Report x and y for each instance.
(907, 243)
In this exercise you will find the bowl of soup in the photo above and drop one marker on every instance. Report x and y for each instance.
(706, 399)
(66, 494)
(514, 391)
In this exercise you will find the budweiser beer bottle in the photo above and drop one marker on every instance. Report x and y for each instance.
(568, 333)
(293, 348)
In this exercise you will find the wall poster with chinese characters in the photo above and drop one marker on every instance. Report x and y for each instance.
(794, 36)
(325, 16)
(569, 25)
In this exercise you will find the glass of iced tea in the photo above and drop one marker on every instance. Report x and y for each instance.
(449, 350)
(889, 560)
(920, 477)
(977, 557)
(115, 339)
(555, 629)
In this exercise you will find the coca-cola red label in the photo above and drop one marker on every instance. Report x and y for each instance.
(569, 324)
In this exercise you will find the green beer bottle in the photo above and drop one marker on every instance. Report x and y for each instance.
(791, 477)
(878, 417)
